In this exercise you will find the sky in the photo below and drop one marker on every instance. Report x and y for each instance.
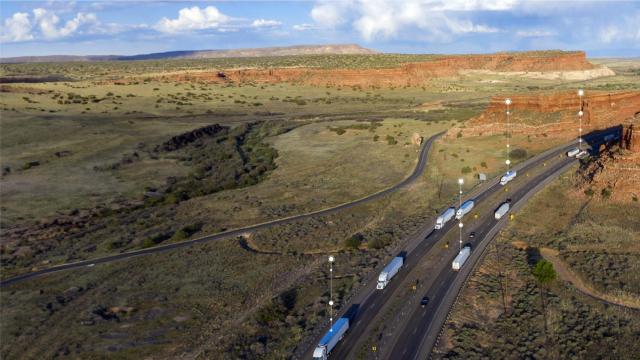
(601, 28)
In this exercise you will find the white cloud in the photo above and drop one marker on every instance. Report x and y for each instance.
(48, 21)
(194, 18)
(625, 28)
(304, 27)
(17, 28)
(387, 19)
(535, 33)
(263, 23)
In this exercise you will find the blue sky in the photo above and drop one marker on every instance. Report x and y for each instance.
(602, 28)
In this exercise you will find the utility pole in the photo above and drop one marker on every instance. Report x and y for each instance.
(460, 225)
(331, 260)
(580, 113)
(507, 102)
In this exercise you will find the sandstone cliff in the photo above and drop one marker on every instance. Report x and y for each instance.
(409, 74)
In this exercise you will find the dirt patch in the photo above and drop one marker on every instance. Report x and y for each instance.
(566, 274)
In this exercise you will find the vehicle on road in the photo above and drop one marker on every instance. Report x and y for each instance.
(389, 272)
(445, 217)
(461, 258)
(424, 302)
(508, 176)
(582, 154)
(331, 338)
(502, 210)
(472, 235)
(573, 152)
(465, 208)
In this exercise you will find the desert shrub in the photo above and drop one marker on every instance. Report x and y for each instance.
(354, 241)
(466, 170)
(606, 193)
(518, 153)
(483, 164)
(391, 140)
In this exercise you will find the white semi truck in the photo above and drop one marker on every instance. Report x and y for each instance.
(573, 152)
(502, 210)
(445, 217)
(465, 208)
(389, 272)
(461, 258)
(331, 339)
(508, 176)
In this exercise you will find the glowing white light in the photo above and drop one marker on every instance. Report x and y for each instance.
(507, 145)
(580, 113)
(508, 162)
(460, 181)
(580, 92)
(460, 225)
(508, 113)
(330, 302)
(331, 259)
(507, 101)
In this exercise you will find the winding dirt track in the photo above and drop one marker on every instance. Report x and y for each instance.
(568, 275)
(422, 161)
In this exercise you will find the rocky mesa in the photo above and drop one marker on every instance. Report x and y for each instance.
(407, 74)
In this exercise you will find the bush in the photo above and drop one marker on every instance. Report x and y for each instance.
(391, 140)
(606, 193)
(466, 170)
(589, 192)
(354, 241)
(518, 154)
(340, 131)
(483, 164)
(376, 137)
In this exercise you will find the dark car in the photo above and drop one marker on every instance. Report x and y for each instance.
(424, 301)
(472, 235)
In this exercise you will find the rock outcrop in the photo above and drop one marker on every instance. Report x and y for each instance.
(554, 114)
(409, 74)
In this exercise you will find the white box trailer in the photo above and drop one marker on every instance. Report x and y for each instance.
(573, 152)
(465, 208)
(445, 217)
(508, 176)
(331, 339)
(389, 272)
(461, 258)
(502, 210)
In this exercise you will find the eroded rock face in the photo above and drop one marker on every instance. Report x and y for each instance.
(554, 114)
(411, 74)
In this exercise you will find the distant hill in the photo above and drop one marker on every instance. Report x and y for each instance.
(203, 54)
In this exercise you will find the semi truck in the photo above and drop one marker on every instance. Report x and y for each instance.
(331, 339)
(465, 208)
(389, 272)
(573, 152)
(508, 176)
(445, 217)
(461, 258)
(502, 210)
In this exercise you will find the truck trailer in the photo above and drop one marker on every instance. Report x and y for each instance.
(389, 272)
(465, 208)
(331, 339)
(508, 176)
(445, 217)
(461, 258)
(573, 152)
(502, 210)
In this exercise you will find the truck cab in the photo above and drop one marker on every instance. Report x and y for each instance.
(320, 353)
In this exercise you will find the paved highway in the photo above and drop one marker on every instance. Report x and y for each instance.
(370, 302)
(422, 323)
(418, 170)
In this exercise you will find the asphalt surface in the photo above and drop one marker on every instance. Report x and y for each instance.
(422, 161)
(422, 324)
(371, 301)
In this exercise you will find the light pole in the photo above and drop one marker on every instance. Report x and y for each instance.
(507, 102)
(331, 260)
(580, 113)
(460, 225)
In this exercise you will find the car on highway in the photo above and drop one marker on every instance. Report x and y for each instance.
(582, 154)
(472, 235)
(424, 302)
